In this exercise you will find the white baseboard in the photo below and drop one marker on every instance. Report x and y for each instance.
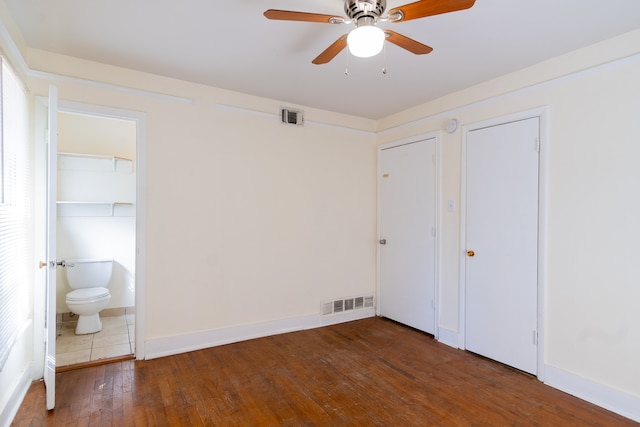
(183, 343)
(15, 400)
(347, 316)
(598, 394)
(450, 338)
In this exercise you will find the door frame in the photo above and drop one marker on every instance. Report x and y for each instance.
(140, 274)
(542, 114)
(438, 182)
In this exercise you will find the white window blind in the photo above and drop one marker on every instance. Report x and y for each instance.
(15, 208)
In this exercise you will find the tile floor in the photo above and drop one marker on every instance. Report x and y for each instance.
(115, 339)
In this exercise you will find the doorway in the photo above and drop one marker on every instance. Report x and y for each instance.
(96, 219)
(501, 295)
(45, 204)
(407, 221)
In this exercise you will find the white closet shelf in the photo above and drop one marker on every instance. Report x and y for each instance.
(75, 208)
(93, 162)
(92, 156)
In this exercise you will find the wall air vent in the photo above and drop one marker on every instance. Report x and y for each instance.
(327, 308)
(291, 117)
(368, 301)
(347, 304)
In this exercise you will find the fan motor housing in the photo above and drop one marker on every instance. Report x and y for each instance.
(356, 9)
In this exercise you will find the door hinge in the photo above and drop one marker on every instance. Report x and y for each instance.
(537, 145)
(433, 231)
(535, 337)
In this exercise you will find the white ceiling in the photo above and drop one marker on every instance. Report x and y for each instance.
(231, 45)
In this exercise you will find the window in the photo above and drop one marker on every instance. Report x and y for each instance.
(15, 237)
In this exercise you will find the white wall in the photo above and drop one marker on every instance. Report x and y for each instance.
(593, 96)
(81, 133)
(248, 220)
(15, 377)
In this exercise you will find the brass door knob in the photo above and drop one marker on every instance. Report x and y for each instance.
(470, 253)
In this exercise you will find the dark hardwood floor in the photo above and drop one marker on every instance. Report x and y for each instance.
(371, 372)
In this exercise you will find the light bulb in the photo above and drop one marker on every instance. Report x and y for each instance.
(365, 41)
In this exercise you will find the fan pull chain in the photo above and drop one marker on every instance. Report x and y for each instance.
(384, 59)
(346, 67)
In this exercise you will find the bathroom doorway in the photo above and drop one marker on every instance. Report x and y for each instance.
(96, 209)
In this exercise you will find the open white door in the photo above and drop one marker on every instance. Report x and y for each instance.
(52, 185)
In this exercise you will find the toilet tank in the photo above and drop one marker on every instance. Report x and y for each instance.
(89, 272)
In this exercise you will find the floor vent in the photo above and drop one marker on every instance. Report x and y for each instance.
(347, 304)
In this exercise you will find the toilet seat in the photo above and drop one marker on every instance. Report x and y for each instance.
(88, 294)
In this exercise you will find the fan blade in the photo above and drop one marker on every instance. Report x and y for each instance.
(424, 8)
(288, 15)
(331, 52)
(406, 43)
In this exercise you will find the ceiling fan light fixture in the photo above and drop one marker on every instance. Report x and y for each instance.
(365, 41)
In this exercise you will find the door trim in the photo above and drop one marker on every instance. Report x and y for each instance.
(141, 172)
(542, 114)
(410, 140)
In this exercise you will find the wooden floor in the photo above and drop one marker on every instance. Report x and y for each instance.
(371, 372)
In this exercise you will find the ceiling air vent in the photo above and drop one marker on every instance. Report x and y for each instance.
(291, 117)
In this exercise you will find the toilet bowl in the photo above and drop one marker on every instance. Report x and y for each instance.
(89, 279)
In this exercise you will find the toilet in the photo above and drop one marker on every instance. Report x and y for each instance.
(89, 279)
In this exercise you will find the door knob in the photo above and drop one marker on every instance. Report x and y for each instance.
(383, 241)
(470, 253)
(43, 264)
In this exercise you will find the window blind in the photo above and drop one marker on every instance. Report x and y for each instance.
(14, 211)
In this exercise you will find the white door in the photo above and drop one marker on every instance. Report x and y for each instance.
(502, 243)
(50, 317)
(407, 234)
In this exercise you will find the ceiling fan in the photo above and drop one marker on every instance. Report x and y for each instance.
(367, 39)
